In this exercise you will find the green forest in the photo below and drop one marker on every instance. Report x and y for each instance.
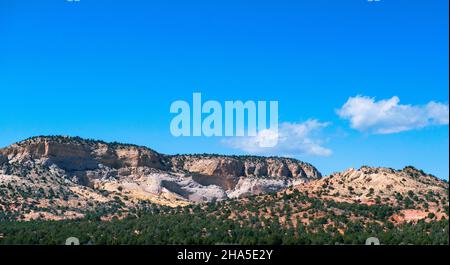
(234, 222)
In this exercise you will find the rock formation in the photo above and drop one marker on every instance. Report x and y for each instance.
(78, 168)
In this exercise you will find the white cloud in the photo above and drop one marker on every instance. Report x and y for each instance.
(291, 139)
(388, 116)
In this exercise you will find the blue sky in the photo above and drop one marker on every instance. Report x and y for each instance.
(110, 70)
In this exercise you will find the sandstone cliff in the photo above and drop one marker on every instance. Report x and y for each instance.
(96, 172)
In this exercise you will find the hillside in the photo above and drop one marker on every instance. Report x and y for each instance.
(65, 177)
(414, 192)
(113, 193)
(291, 216)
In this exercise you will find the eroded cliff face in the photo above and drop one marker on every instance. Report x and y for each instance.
(76, 154)
(140, 173)
(226, 171)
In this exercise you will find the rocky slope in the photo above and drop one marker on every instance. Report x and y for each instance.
(369, 200)
(63, 177)
(414, 193)
(70, 177)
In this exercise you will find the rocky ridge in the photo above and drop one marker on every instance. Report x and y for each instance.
(69, 177)
(74, 173)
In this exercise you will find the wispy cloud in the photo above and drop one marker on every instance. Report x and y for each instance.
(292, 139)
(388, 116)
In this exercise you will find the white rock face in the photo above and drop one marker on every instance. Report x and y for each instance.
(252, 186)
(151, 182)
(148, 183)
